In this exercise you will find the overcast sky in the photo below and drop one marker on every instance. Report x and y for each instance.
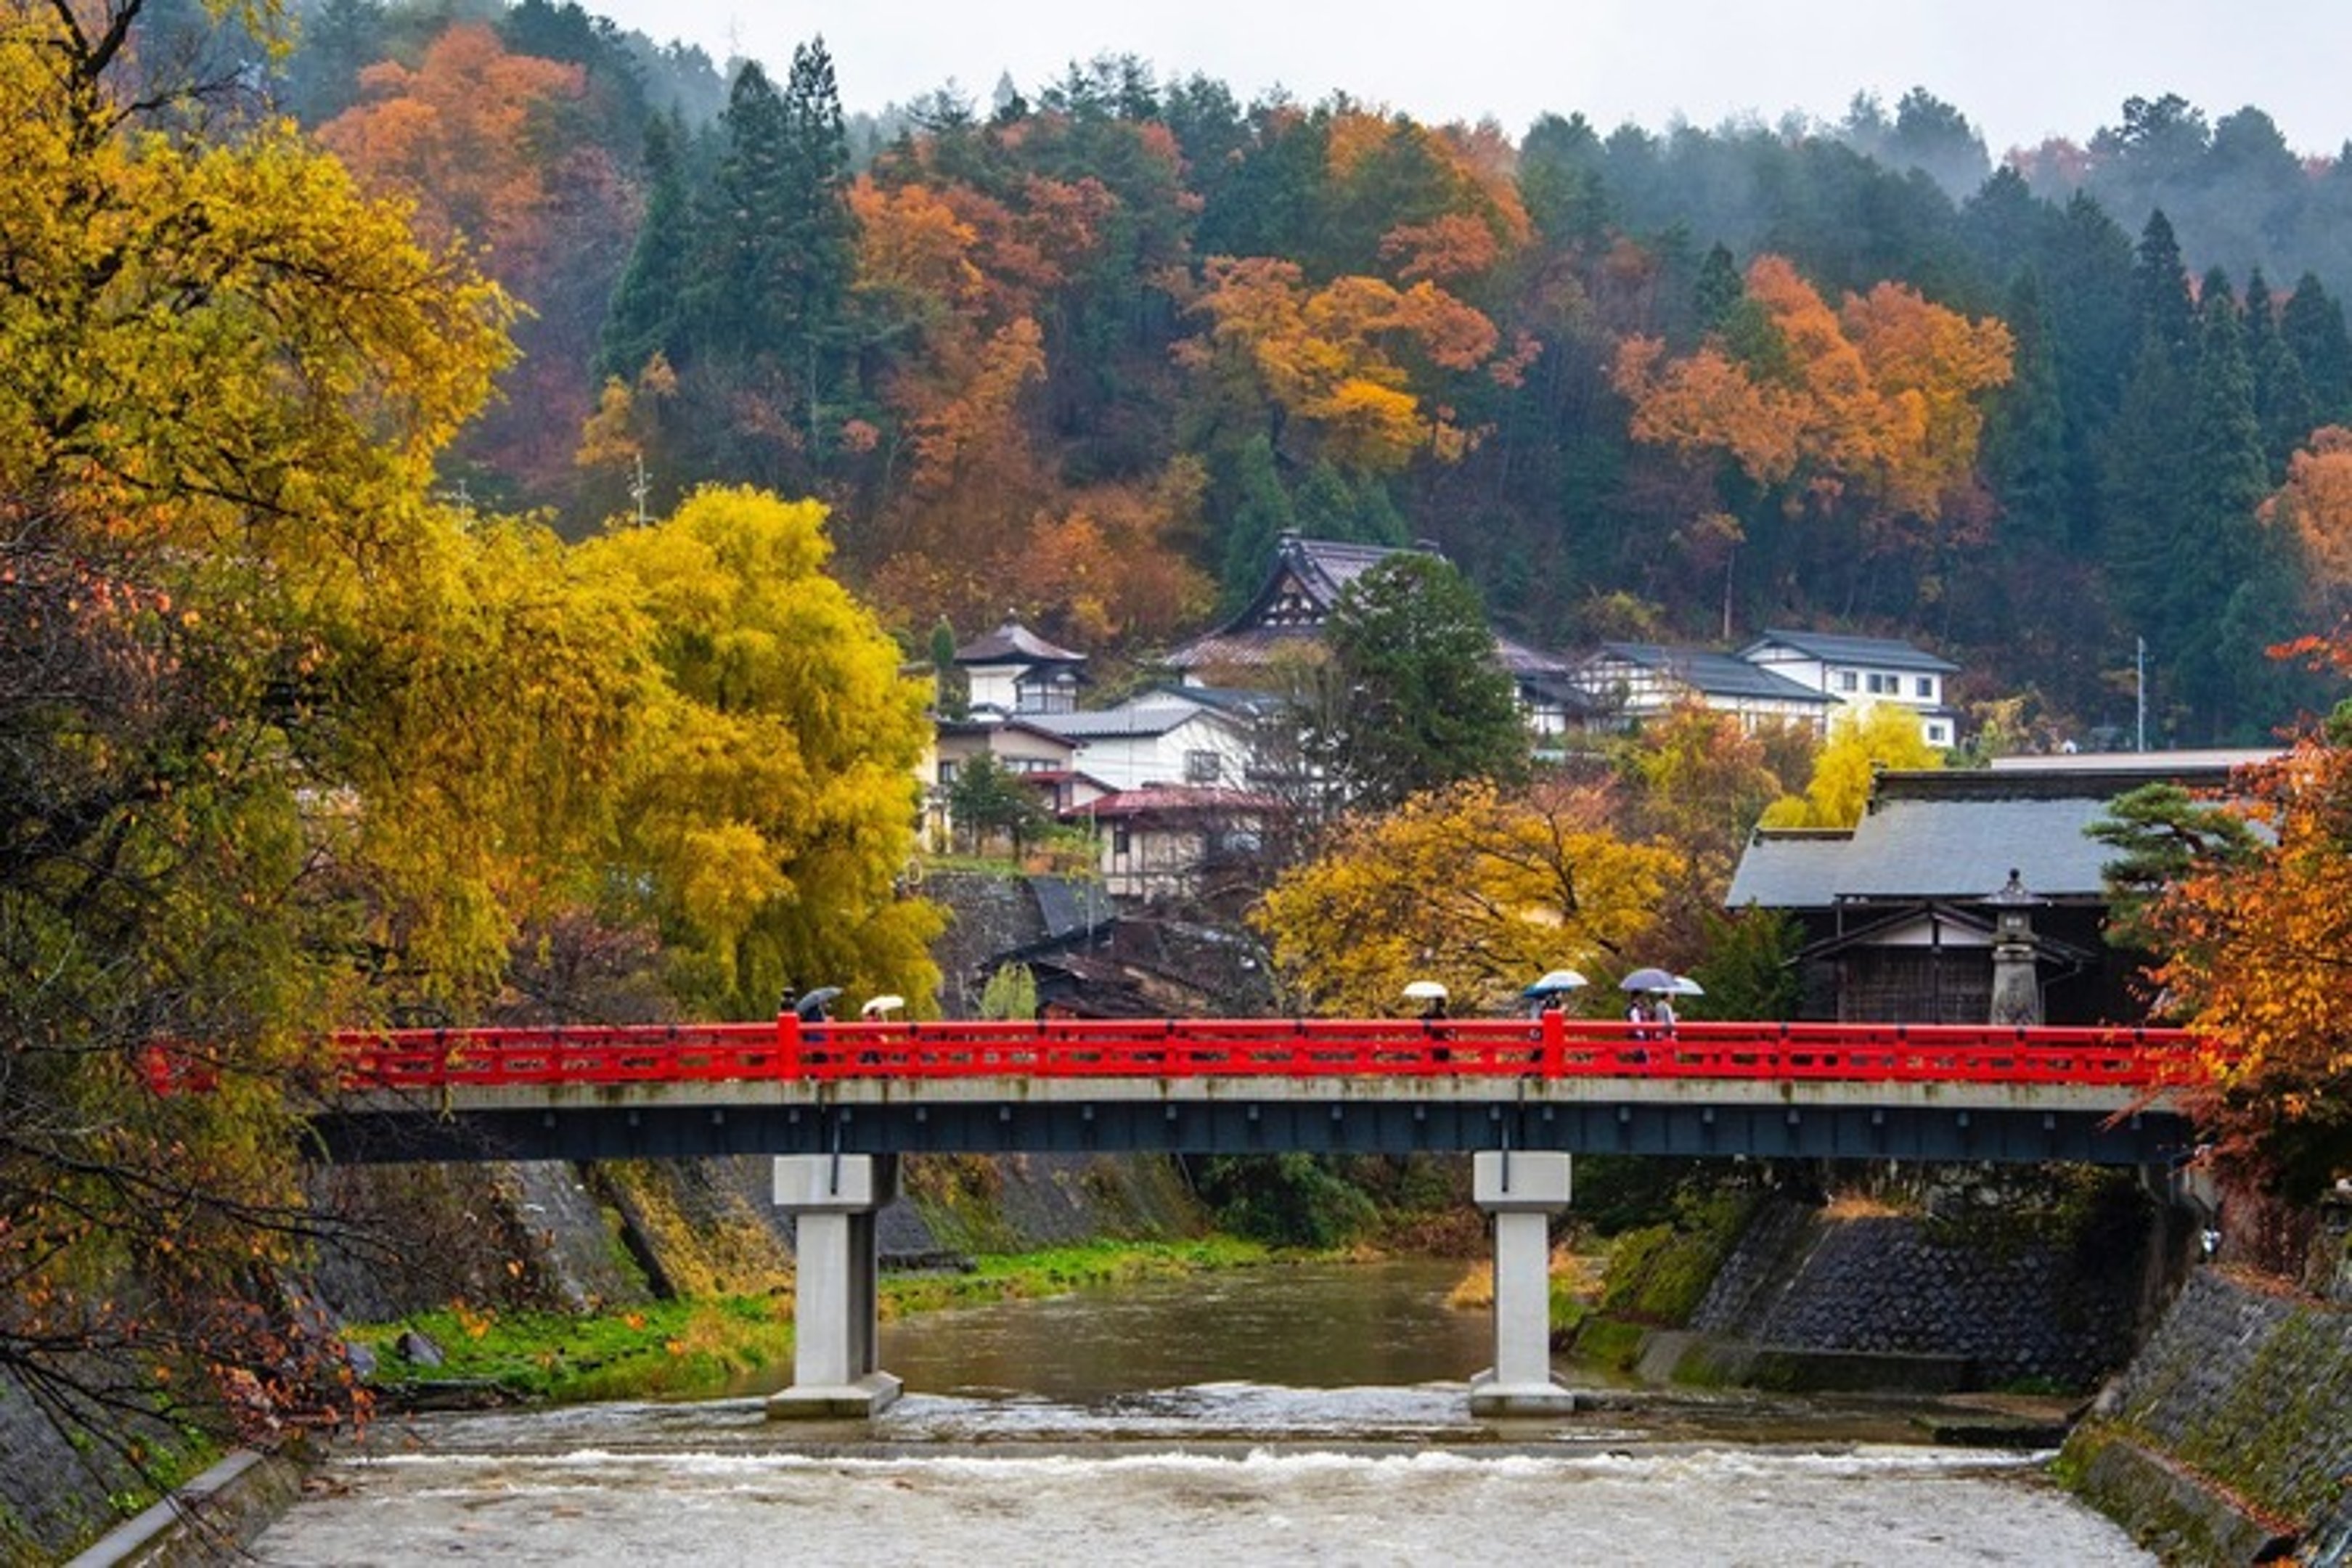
(2018, 69)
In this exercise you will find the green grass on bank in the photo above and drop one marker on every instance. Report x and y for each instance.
(687, 1348)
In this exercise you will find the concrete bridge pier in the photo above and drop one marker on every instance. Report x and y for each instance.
(833, 1199)
(1522, 1191)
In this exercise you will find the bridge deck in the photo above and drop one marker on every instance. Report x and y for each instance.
(1243, 1085)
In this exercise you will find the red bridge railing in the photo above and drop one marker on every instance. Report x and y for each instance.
(1551, 1047)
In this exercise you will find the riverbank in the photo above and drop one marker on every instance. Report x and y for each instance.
(703, 1346)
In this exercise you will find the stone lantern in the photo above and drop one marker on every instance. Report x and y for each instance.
(2016, 986)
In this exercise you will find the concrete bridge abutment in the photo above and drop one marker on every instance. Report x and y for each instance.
(1522, 1191)
(834, 1200)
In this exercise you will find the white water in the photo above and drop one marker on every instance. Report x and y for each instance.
(1293, 1415)
(1342, 1479)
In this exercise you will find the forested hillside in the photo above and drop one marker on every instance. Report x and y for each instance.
(1087, 349)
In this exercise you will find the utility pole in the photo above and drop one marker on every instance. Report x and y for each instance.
(638, 488)
(2139, 687)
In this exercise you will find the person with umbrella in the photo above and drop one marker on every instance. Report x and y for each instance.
(1650, 1009)
(1549, 992)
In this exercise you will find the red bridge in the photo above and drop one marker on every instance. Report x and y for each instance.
(834, 1103)
(1550, 1047)
(1892, 1090)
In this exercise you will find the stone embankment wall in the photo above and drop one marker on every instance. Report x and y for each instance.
(572, 1237)
(2229, 1439)
(1972, 1283)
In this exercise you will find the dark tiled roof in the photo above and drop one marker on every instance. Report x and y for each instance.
(1833, 647)
(1527, 663)
(1715, 674)
(1013, 643)
(1328, 565)
(1143, 719)
(1956, 834)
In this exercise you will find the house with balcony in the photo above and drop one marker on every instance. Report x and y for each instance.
(1859, 672)
(1169, 842)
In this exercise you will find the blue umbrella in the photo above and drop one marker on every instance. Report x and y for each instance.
(1647, 980)
(1554, 983)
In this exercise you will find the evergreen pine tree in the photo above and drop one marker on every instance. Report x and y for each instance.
(2223, 572)
(646, 317)
(2160, 292)
(2282, 400)
(2312, 323)
(1260, 516)
(2025, 437)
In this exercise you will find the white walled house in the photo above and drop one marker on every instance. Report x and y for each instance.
(1015, 670)
(1160, 738)
(1859, 672)
(1629, 683)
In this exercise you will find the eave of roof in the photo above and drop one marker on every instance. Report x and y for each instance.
(1838, 647)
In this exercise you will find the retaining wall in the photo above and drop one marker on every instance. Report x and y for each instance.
(2229, 1439)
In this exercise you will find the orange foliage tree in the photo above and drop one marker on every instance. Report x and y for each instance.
(2316, 504)
(1876, 405)
(483, 145)
(2258, 954)
(1343, 358)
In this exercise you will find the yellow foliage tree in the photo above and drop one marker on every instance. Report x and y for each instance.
(1468, 886)
(1860, 742)
(771, 805)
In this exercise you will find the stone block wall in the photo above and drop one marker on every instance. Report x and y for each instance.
(2230, 1433)
(2022, 1298)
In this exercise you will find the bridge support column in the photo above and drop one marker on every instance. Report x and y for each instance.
(833, 1199)
(1522, 1191)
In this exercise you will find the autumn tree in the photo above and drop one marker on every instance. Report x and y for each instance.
(241, 652)
(491, 147)
(2255, 940)
(1344, 359)
(2314, 508)
(1871, 413)
(1860, 742)
(770, 802)
(1468, 885)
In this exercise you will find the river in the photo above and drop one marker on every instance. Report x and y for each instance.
(1309, 1415)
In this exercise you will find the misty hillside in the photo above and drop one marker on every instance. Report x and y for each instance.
(1087, 347)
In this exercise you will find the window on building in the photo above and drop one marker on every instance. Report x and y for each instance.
(1203, 767)
(1882, 685)
(947, 772)
(1845, 681)
(1122, 838)
(1927, 686)
(1939, 734)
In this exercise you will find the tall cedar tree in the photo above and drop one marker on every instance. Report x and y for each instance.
(1426, 701)
(645, 319)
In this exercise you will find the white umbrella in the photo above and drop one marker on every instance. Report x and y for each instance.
(1425, 991)
(881, 1006)
(1647, 980)
(1684, 986)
